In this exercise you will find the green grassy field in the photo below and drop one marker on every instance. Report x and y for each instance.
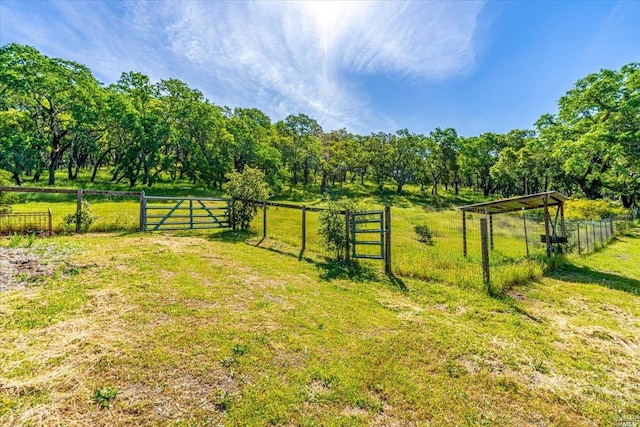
(180, 329)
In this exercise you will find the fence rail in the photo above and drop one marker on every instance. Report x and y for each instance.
(188, 213)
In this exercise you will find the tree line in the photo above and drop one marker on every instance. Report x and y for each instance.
(54, 114)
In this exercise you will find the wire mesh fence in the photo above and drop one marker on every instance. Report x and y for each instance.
(430, 244)
(289, 229)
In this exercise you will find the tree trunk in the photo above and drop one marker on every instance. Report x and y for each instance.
(627, 201)
(17, 179)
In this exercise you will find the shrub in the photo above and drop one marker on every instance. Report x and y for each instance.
(425, 234)
(85, 216)
(332, 226)
(6, 199)
(591, 209)
(250, 184)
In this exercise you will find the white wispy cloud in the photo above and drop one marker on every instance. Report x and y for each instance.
(282, 57)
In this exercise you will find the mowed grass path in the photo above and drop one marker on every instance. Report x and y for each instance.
(193, 330)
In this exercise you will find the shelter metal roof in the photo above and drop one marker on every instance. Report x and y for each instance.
(531, 201)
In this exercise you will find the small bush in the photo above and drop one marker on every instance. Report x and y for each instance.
(86, 218)
(6, 199)
(15, 240)
(332, 226)
(250, 184)
(425, 234)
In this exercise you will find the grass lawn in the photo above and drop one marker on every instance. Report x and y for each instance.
(179, 329)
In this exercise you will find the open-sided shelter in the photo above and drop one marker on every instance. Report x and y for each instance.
(543, 200)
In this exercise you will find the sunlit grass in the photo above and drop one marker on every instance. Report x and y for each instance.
(196, 330)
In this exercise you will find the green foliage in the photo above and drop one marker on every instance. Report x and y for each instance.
(424, 232)
(6, 199)
(54, 113)
(31, 239)
(15, 240)
(332, 226)
(250, 184)
(591, 209)
(105, 396)
(86, 217)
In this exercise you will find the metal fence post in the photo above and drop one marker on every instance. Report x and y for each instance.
(486, 278)
(79, 212)
(387, 239)
(190, 213)
(142, 211)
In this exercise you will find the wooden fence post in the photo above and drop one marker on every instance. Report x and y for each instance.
(143, 210)
(486, 278)
(264, 220)
(347, 231)
(79, 212)
(304, 228)
(233, 214)
(578, 230)
(593, 232)
(387, 240)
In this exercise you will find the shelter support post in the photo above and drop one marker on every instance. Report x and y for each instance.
(526, 237)
(546, 226)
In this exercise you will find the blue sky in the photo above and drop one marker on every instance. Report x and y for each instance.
(366, 66)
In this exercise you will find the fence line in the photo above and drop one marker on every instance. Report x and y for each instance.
(443, 252)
